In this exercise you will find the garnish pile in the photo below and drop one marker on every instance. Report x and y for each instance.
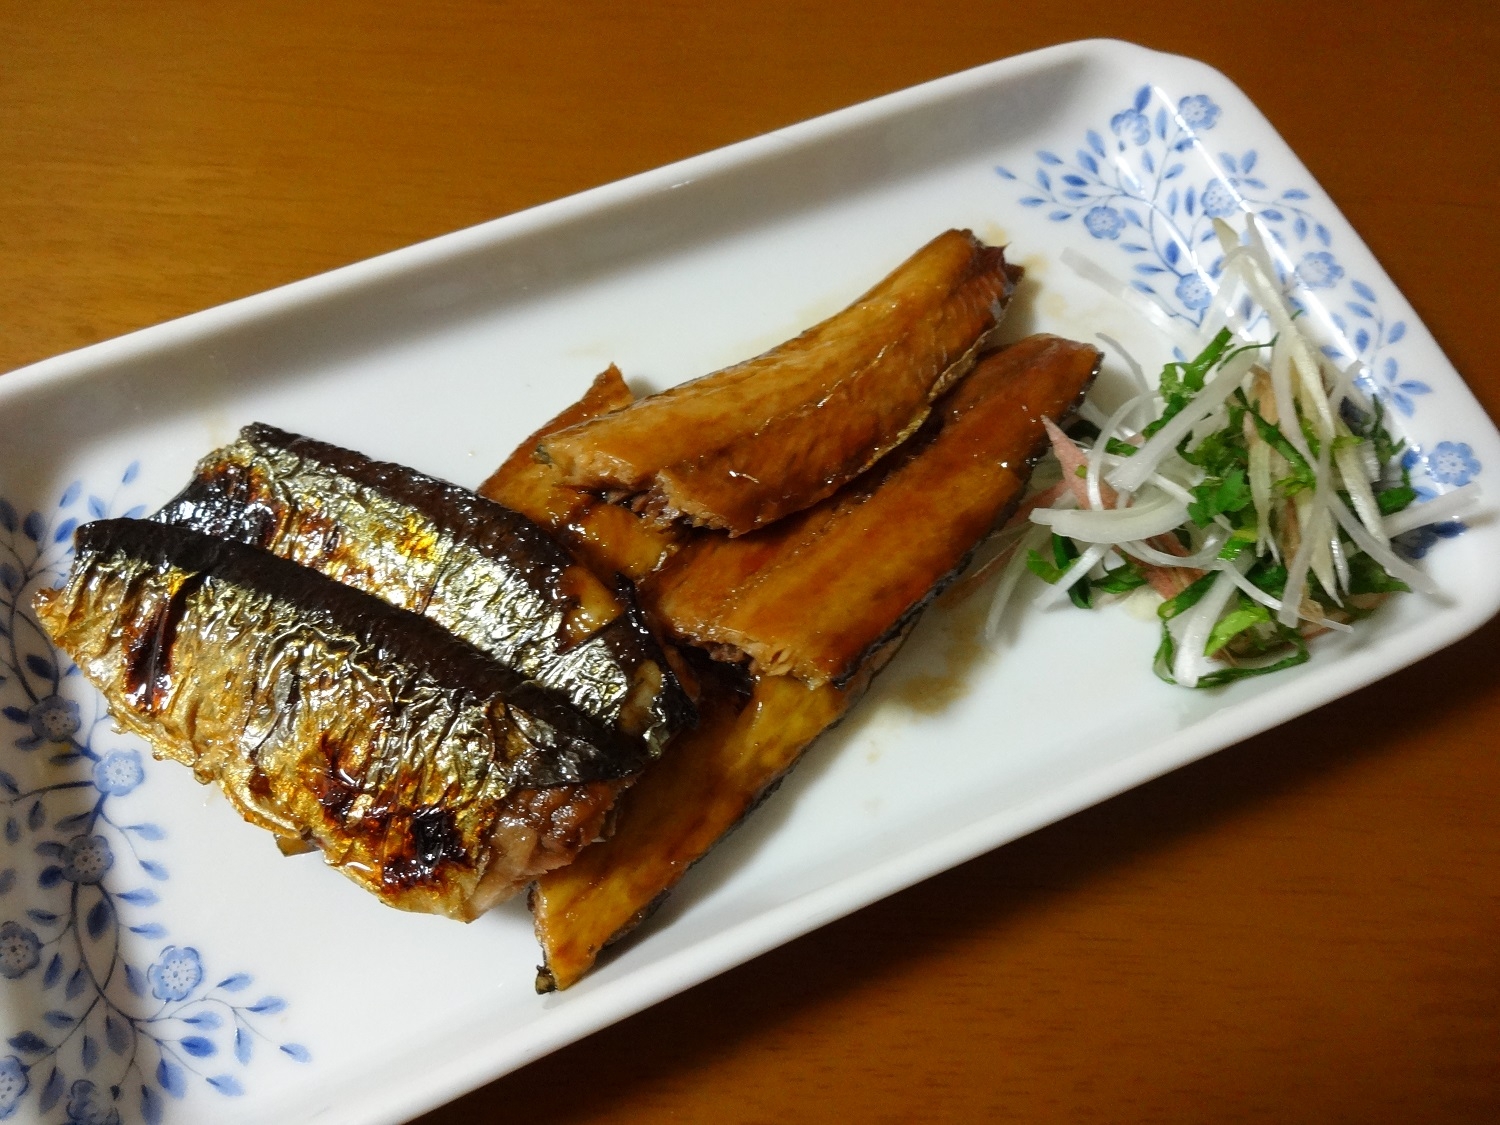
(1256, 489)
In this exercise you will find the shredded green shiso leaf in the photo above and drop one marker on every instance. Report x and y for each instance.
(1256, 488)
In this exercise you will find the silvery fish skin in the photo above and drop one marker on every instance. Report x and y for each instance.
(482, 571)
(326, 715)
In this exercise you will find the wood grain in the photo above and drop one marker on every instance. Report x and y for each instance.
(1305, 927)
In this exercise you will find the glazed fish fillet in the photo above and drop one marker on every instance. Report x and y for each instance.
(610, 538)
(486, 573)
(424, 770)
(815, 594)
(820, 603)
(701, 788)
(745, 446)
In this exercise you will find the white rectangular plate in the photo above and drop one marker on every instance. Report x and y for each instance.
(282, 992)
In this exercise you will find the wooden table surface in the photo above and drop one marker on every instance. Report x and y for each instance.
(1305, 927)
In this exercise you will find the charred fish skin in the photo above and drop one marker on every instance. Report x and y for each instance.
(748, 445)
(482, 571)
(323, 712)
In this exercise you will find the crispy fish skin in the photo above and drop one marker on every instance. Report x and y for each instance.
(815, 594)
(328, 715)
(610, 538)
(750, 444)
(486, 573)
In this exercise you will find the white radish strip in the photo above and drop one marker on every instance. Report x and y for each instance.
(1352, 473)
(1303, 359)
(1014, 571)
(1323, 532)
(1393, 564)
(1260, 491)
(1201, 559)
(1251, 590)
(1281, 393)
(1139, 376)
(1091, 413)
(1079, 568)
(1217, 315)
(1308, 523)
(1439, 509)
(1345, 387)
(1137, 300)
(1142, 520)
(1133, 473)
(1097, 454)
(1255, 593)
(1199, 624)
(1210, 425)
(1171, 487)
(1340, 562)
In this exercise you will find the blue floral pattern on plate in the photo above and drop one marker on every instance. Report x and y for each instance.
(1135, 187)
(115, 1034)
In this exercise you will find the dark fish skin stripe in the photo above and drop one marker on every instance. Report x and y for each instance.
(352, 518)
(489, 528)
(579, 747)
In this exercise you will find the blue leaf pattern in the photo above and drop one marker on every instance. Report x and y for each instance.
(1143, 186)
(133, 1015)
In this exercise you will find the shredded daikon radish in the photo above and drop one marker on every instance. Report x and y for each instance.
(1129, 476)
(1143, 388)
(1309, 520)
(1014, 571)
(1155, 516)
(1440, 509)
(1227, 489)
(1106, 432)
(1395, 566)
(1198, 624)
(1079, 568)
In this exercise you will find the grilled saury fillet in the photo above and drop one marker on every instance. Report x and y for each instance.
(482, 571)
(819, 603)
(816, 593)
(755, 442)
(424, 769)
(610, 538)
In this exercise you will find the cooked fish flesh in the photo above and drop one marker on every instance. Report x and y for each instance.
(486, 573)
(609, 537)
(854, 573)
(424, 769)
(745, 446)
(701, 788)
(813, 595)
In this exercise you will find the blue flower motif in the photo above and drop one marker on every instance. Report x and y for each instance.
(1198, 111)
(1104, 222)
(177, 973)
(13, 1085)
(89, 1105)
(1218, 200)
(1194, 292)
(1131, 125)
(1319, 270)
(53, 719)
(1452, 463)
(87, 859)
(1416, 543)
(20, 950)
(118, 772)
